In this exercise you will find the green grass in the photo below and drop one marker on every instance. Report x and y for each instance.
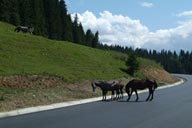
(29, 54)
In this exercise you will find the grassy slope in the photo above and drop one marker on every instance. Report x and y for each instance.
(28, 54)
(23, 53)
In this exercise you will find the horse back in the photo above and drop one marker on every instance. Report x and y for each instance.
(118, 86)
(105, 86)
(138, 84)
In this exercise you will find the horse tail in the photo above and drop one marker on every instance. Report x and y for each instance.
(128, 86)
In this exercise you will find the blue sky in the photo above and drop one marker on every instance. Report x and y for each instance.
(151, 24)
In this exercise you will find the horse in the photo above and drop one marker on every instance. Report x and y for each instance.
(24, 29)
(119, 90)
(135, 85)
(105, 87)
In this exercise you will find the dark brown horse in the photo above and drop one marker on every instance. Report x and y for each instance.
(135, 85)
(105, 87)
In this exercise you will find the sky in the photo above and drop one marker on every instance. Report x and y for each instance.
(149, 24)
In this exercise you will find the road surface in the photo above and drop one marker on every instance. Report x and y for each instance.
(171, 108)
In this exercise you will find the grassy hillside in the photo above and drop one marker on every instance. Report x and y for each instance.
(28, 54)
(38, 71)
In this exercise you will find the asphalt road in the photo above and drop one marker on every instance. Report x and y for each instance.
(171, 108)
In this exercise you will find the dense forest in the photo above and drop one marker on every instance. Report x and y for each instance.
(51, 19)
(172, 61)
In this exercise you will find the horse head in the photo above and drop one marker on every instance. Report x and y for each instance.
(93, 86)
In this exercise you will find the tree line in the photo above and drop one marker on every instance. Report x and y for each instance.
(172, 61)
(49, 18)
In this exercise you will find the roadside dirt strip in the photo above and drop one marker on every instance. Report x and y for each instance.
(67, 104)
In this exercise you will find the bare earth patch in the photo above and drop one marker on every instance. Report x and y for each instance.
(31, 90)
(160, 75)
(22, 91)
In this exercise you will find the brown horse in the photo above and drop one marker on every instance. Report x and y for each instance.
(114, 87)
(135, 85)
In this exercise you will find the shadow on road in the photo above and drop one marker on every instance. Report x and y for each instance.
(123, 101)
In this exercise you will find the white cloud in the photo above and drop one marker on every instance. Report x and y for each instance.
(122, 30)
(146, 4)
(185, 13)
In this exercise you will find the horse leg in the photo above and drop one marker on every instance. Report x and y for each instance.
(112, 94)
(117, 94)
(127, 91)
(121, 92)
(121, 95)
(129, 95)
(103, 95)
(137, 96)
(152, 92)
(115, 97)
(149, 94)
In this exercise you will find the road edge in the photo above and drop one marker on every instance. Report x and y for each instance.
(67, 104)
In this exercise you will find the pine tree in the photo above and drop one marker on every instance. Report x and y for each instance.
(95, 40)
(26, 12)
(53, 19)
(63, 15)
(68, 31)
(38, 17)
(4, 10)
(76, 34)
(132, 64)
(14, 17)
(81, 34)
(89, 37)
(63, 8)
